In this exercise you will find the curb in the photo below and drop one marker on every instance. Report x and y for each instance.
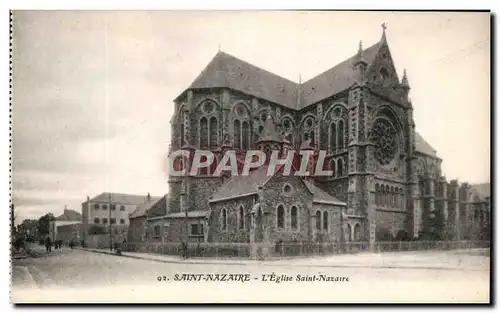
(294, 265)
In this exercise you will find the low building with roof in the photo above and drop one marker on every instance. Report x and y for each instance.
(67, 226)
(112, 210)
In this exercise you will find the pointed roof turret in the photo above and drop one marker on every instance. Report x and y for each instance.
(384, 27)
(360, 59)
(269, 133)
(404, 82)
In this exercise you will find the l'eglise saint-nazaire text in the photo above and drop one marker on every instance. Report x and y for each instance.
(303, 278)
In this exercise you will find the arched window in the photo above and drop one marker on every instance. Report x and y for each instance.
(382, 195)
(213, 132)
(333, 136)
(237, 134)
(241, 217)
(387, 196)
(223, 220)
(325, 220)
(333, 167)
(357, 233)
(203, 132)
(312, 138)
(181, 126)
(157, 231)
(377, 194)
(392, 197)
(246, 135)
(97, 220)
(341, 134)
(203, 170)
(294, 221)
(318, 220)
(280, 221)
(340, 168)
(348, 236)
(178, 163)
(403, 205)
(289, 137)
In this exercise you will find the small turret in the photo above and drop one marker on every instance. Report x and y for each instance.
(404, 83)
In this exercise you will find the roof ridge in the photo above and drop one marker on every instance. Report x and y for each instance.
(342, 62)
(257, 67)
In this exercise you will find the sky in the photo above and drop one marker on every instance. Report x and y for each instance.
(93, 90)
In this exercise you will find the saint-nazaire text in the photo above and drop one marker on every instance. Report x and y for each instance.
(270, 277)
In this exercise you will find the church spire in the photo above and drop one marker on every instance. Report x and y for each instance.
(384, 27)
(360, 59)
(360, 65)
(404, 82)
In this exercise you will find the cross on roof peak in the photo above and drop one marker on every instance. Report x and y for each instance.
(384, 26)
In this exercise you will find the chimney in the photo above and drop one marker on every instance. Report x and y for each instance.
(149, 196)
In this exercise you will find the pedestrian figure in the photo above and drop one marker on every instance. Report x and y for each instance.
(71, 244)
(48, 244)
(184, 250)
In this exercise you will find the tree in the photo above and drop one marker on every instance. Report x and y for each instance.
(44, 224)
(13, 217)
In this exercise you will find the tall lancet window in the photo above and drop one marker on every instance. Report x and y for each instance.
(213, 132)
(181, 127)
(246, 136)
(203, 132)
(311, 137)
(237, 134)
(333, 136)
(340, 168)
(341, 134)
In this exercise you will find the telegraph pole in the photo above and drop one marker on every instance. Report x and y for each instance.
(109, 224)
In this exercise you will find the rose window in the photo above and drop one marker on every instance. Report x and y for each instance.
(287, 125)
(240, 111)
(209, 107)
(385, 138)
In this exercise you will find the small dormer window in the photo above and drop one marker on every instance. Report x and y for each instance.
(384, 74)
(287, 188)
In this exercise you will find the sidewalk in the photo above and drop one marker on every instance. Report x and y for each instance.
(445, 260)
(22, 277)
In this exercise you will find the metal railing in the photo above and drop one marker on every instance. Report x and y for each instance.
(290, 250)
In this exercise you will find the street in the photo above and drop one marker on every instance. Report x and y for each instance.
(82, 276)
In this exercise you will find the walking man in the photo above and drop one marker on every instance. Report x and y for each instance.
(48, 244)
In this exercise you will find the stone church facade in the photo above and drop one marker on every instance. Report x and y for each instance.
(387, 181)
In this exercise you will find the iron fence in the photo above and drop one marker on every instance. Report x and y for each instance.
(290, 250)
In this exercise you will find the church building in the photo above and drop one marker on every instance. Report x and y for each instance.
(386, 180)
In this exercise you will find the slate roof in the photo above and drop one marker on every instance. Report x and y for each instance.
(336, 79)
(143, 208)
(227, 71)
(191, 214)
(423, 146)
(320, 196)
(482, 190)
(69, 215)
(242, 185)
(121, 198)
